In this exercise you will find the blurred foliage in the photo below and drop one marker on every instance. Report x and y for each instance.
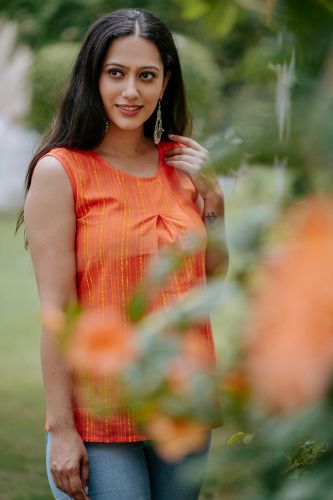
(22, 459)
(42, 23)
(203, 83)
(49, 75)
(273, 79)
(256, 114)
(259, 454)
(306, 455)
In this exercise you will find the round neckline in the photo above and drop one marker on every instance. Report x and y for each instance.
(136, 177)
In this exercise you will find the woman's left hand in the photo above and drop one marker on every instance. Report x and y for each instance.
(194, 160)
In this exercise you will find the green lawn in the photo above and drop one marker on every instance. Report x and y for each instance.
(22, 437)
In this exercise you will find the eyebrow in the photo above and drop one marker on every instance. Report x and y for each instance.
(114, 63)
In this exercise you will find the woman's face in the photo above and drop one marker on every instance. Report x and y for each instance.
(131, 81)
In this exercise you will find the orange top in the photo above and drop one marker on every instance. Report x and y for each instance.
(122, 221)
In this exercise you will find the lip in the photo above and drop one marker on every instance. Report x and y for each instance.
(129, 110)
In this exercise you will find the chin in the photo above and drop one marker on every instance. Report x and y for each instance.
(128, 126)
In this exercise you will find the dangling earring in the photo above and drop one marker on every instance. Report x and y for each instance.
(158, 130)
(106, 128)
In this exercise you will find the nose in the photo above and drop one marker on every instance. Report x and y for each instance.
(130, 91)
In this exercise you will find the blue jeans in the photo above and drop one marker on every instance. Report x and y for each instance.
(134, 471)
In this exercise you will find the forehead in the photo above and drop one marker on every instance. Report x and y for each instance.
(133, 51)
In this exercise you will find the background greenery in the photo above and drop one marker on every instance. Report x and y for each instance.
(22, 473)
(243, 61)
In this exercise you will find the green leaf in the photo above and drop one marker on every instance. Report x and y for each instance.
(137, 305)
(194, 9)
(236, 437)
(306, 455)
(222, 18)
(240, 436)
(328, 4)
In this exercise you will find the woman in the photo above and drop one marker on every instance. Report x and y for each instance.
(108, 188)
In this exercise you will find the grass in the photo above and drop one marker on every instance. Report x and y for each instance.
(22, 436)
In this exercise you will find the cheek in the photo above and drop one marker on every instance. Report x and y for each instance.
(152, 93)
(106, 87)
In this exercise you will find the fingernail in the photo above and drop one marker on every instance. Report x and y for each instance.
(170, 135)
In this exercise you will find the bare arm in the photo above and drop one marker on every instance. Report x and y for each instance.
(50, 224)
(217, 255)
(190, 157)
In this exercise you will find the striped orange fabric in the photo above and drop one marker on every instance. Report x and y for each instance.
(122, 222)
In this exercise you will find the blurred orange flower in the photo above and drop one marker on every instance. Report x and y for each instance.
(101, 342)
(53, 319)
(193, 358)
(175, 438)
(290, 345)
(235, 382)
(195, 347)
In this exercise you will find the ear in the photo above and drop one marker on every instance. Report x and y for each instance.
(165, 83)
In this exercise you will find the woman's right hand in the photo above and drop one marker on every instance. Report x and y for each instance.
(69, 463)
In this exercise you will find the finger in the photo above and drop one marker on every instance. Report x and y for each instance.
(57, 479)
(185, 150)
(187, 141)
(80, 496)
(61, 483)
(77, 490)
(190, 160)
(84, 471)
(182, 165)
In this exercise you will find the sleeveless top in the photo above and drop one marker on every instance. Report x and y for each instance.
(122, 221)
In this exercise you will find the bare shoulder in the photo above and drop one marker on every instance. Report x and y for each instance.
(50, 185)
(49, 174)
(50, 192)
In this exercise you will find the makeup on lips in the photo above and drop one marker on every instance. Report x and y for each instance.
(129, 110)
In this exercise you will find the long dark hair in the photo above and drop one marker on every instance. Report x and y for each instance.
(80, 122)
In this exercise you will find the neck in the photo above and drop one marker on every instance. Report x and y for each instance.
(124, 142)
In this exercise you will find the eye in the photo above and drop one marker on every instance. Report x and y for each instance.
(147, 75)
(115, 73)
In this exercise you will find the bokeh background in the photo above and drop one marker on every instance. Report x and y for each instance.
(259, 75)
